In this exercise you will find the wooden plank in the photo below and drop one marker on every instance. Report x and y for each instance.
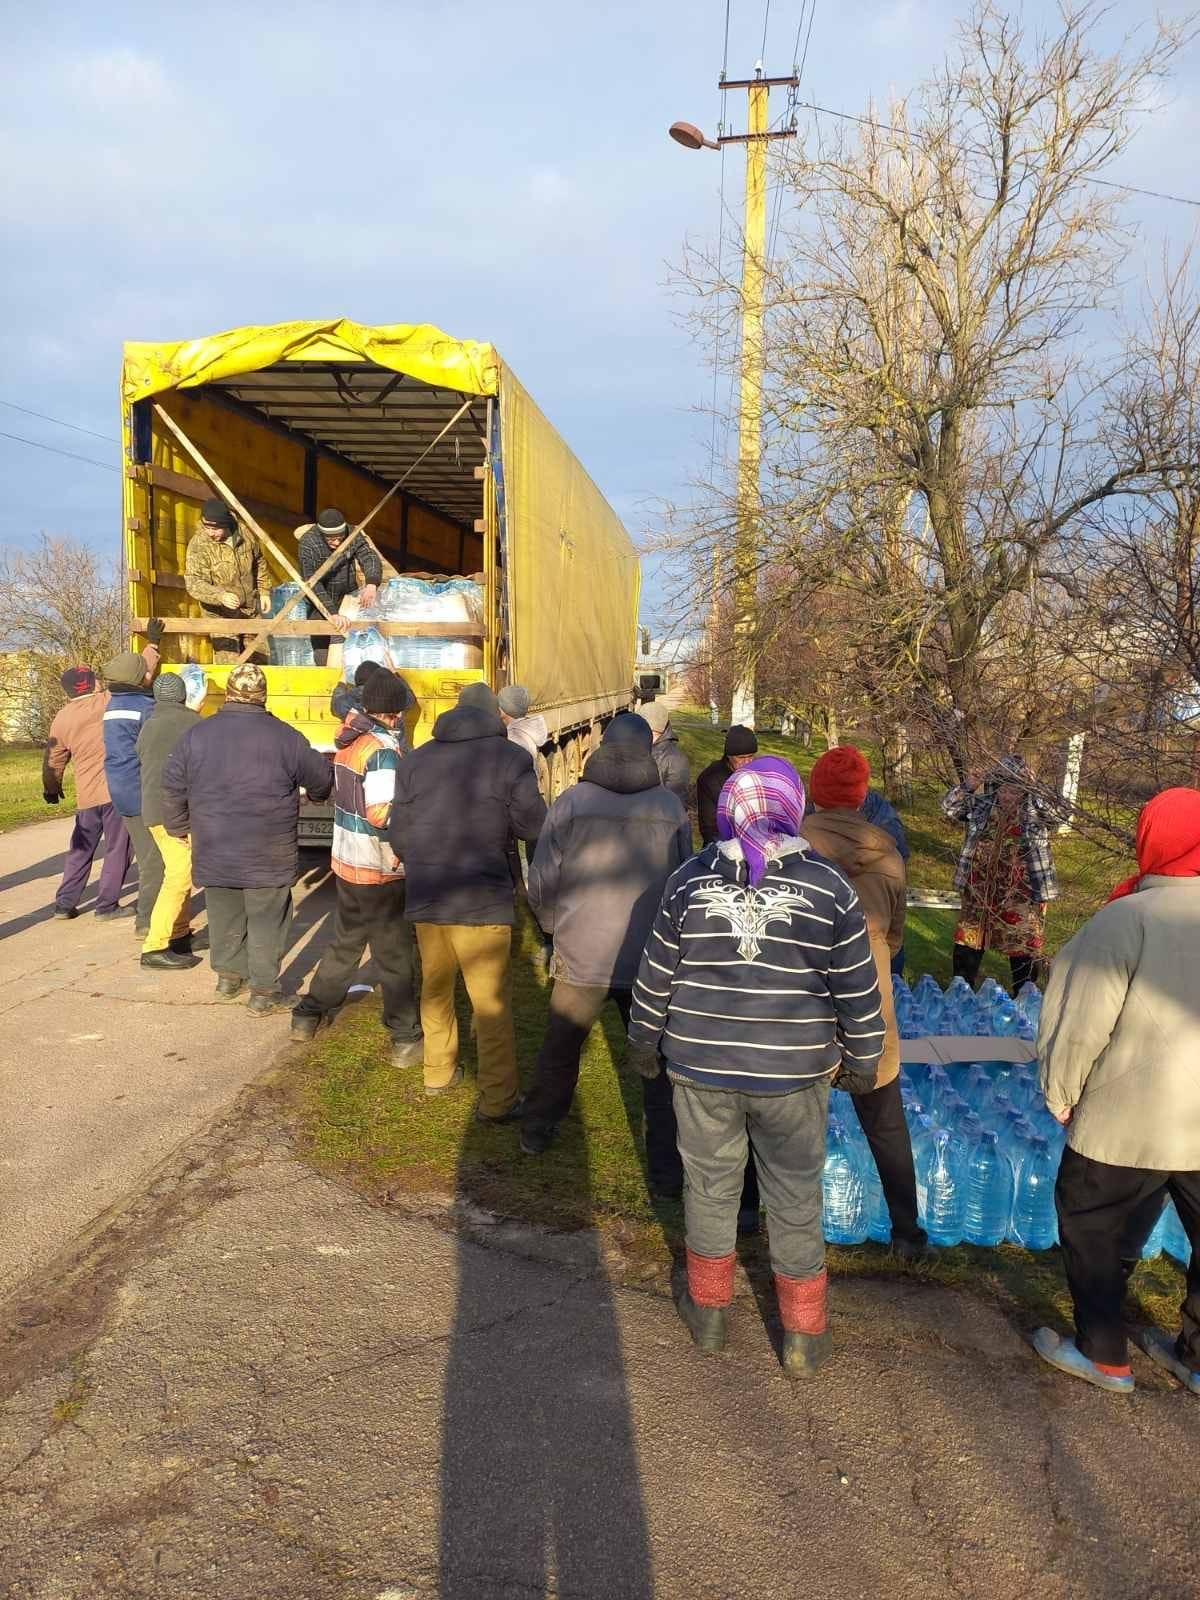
(228, 626)
(189, 488)
(168, 580)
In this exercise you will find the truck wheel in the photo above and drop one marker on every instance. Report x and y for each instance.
(558, 772)
(574, 759)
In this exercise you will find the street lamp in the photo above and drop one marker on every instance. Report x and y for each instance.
(745, 587)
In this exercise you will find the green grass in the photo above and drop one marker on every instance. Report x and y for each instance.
(363, 1119)
(21, 788)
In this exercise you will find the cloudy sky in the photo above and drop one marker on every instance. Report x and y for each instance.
(500, 170)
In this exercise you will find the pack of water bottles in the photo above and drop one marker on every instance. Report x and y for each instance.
(286, 652)
(409, 599)
(924, 1012)
(985, 1148)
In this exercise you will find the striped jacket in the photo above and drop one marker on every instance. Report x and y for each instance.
(760, 990)
(364, 783)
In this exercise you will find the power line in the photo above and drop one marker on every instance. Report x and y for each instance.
(887, 127)
(54, 450)
(58, 421)
(766, 19)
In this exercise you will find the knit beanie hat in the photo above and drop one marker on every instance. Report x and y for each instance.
(840, 779)
(480, 697)
(366, 669)
(128, 667)
(219, 514)
(77, 681)
(514, 700)
(247, 685)
(332, 521)
(384, 693)
(656, 715)
(170, 688)
(628, 728)
(740, 741)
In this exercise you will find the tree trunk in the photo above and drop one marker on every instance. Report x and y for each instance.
(832, 732)
(897, 765)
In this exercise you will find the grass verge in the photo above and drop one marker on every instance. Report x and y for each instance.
(21, 789)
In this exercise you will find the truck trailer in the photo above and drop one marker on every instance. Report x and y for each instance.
(303, 415)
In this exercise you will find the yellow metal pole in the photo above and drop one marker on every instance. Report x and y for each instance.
(746, 552)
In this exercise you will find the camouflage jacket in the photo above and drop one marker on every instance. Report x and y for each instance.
(214, 567)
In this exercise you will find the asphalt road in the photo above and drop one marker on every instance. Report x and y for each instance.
(105, 1068)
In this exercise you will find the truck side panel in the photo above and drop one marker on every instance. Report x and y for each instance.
(573, 577)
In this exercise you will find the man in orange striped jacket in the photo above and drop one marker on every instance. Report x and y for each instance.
(370, 879)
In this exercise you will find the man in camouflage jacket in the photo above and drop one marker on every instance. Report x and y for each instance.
(225, 574)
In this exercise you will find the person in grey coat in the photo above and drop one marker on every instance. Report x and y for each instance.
(608, 846)
(672, 764)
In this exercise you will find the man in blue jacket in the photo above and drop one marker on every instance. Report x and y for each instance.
(131, 700)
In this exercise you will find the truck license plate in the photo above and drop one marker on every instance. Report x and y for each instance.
(317, 828)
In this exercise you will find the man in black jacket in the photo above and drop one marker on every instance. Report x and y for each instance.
(458, 797)
(740, 746)
(318, 541)
(232, 784)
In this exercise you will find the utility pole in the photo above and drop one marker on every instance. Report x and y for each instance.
(754, 248)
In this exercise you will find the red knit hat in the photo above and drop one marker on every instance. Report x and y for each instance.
(840, 779)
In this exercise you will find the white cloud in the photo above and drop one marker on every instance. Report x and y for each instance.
(122, 80)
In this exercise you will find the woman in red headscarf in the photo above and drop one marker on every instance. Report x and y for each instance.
(1119, 1046)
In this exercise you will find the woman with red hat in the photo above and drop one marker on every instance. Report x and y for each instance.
(1119, 1046)
(837, 830)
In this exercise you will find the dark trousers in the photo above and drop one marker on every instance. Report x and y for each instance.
(967, 963)
(881, 1114)
(574, 1008)
(368, 915)
(91, 825)
(1098, 1207)
(150, 871)
(248, 933)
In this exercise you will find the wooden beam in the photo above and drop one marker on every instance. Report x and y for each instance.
(231, 499)
(243, 626)
(189, 488)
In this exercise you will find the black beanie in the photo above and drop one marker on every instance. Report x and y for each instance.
(332, 521)
(628, 728)
(740, 741)
(384, 693)
(219, 514)
(366, 669)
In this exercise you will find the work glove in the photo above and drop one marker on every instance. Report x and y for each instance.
(854, 1079)
(155, 629)
(50, 798)
(644, 1059)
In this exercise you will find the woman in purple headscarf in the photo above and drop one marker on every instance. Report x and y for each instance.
(757, 989)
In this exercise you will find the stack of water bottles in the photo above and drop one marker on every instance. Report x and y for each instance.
(408, 599)
(986, 1149)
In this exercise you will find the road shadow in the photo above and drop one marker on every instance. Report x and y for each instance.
(51, 867)
(540, 1482)
(313, 916)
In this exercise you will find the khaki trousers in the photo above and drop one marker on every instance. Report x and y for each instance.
(482, 956)
(171, 918)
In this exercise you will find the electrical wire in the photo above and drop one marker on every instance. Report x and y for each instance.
(54, 450)
(766, 19)
(58, 421)
(1105, 183)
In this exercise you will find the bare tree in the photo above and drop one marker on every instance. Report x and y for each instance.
(932, 404)
(60, 606)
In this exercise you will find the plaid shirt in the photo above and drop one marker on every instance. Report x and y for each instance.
(974, 809)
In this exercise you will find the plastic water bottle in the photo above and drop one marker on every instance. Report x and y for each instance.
(989, 992)
(1154, 1242)
(926, 989)
(940, 1196)
(842, 1189)
(958, 988)
(1029, 1002)
(1034, 1220)
(1005, 1019)
(989, 1199)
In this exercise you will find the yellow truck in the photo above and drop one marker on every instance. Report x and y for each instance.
(292, 418)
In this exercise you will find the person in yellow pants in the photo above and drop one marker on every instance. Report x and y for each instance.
(168, 944)
(482, 955)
